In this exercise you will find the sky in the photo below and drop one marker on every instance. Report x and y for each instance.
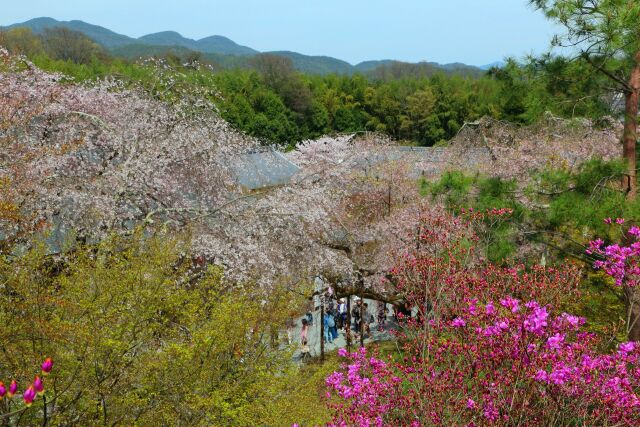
(475, 32)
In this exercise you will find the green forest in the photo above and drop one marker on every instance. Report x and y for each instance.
(267, 98)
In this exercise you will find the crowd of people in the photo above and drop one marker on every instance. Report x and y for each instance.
(335, 315)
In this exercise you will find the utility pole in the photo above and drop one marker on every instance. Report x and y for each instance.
(322, 328)
(348, 326)
(320, 292)
(361, 322)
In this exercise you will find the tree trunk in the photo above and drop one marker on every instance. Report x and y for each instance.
(630, 184)
(630, 135)
(632, 300)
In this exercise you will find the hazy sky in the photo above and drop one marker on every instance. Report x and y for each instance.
(471, 31)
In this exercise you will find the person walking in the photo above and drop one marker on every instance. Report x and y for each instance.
(367, 318)
(356, 313)
(342, 313)
(381, 314)
(309, 316)
(305, 352)
(329, 323)
(334, 329)
(291, 324)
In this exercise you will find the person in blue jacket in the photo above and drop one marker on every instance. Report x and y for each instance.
(329, 326)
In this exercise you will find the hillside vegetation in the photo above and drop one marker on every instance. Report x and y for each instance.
(265, 97)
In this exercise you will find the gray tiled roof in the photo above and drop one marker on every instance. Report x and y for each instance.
(260, 169)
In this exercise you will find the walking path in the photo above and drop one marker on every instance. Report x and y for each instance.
(340, 342)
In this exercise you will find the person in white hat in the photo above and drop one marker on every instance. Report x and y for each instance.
(342, 313)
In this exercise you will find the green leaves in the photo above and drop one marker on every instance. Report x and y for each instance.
(134, 343)
(604, 31)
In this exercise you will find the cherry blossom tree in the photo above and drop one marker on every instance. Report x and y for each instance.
(82, 161)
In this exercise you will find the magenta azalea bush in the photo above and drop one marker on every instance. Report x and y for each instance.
(501, 363)
(492, 346)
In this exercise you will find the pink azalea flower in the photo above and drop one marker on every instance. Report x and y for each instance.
(38, 386)
(490, 309)
(13, 388)
(541, 375)
(47, 366)
(28, 396)
(626, 347)
(555, 341)
(511, 303)
(458, 322)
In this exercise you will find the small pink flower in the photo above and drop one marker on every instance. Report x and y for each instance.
(559, 375)
(471, 404)
(574, 321)
(619, 221)
(510, 303)
(626, 347)
(38, 386)
(13, 388)
(541, 375)
(3, 390)
(28, 396)
(490, 309)
(342, 352)
(555, 341)
(47, 366)
(608, 220)
(473, 307)
(458, 322)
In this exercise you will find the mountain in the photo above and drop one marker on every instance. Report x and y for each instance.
(498, 64)
(212, 44)
(137, 50)
(166, 38)
(316, 64)
(223, 45)
(452, 66)
(111, 40)
(458, 68)
(228, 53)
(100, 35)
(368, 66)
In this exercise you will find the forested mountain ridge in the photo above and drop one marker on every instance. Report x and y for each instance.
(110, 39)
(100, 35)
(219, 49)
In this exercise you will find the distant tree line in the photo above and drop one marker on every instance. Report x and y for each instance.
(267, 98)
(58, 43)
